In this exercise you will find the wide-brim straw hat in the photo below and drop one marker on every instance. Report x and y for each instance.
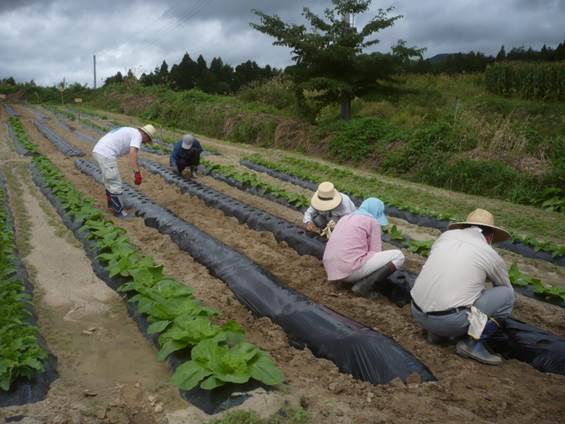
(482, 218)
(326, 197)
(149, 130)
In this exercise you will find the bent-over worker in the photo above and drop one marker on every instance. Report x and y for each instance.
(186, 154)
(354, 253)
(116, 143)
(327, 204)
(449, 297)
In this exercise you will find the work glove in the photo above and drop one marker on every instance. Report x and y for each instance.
(138, 178)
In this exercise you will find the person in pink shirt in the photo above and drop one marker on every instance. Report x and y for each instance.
(354, 253)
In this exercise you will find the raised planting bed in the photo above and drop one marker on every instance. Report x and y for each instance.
(215, 367)
(356, 349)
(27, 369)
(10, 110)
(307, 174)
(61, 144)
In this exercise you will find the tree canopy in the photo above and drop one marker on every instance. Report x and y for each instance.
(329, 53)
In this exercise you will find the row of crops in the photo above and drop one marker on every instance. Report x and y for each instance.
(361, 187)
(527, 80)
(22, 355)
(212, 355)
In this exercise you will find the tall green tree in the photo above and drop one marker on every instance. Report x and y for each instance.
(329, 54)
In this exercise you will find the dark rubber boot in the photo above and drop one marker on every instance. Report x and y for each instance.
(475, 349)
(366, 286)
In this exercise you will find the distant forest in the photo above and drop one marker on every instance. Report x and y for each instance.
(221, 78)
(218, 78)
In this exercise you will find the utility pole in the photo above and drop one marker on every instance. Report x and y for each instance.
(94, 63)
(346, 99)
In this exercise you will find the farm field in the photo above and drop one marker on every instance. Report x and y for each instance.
(86, 324)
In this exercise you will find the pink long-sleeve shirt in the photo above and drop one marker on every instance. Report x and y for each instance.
(355, 239)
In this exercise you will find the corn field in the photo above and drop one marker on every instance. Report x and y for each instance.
(527, 80)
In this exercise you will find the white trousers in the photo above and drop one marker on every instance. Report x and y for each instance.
(378, 260)
(111, 173)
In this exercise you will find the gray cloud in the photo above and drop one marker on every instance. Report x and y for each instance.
(47, 40)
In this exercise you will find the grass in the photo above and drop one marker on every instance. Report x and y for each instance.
(287, 415)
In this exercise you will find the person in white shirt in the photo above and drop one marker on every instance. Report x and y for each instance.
(116, 143)
(327, 204)
(449, 297)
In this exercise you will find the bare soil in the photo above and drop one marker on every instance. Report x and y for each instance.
(465, 391)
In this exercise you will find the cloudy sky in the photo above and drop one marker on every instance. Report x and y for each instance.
(48, 40)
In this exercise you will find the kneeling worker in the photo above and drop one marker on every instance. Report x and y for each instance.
(354, 251)
(116, 143)
(327, 204)
(186, 154)
(449, 297)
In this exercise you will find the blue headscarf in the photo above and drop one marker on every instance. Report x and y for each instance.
(374, 208)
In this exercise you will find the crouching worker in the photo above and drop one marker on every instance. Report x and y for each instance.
(327, 205)
(354, 252)
(116, 143)
(186, 154)
(449, 297)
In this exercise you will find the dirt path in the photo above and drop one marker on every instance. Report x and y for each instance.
(466, 391)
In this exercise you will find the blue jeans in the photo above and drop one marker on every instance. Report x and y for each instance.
(495, 302)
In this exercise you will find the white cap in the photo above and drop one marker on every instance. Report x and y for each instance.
(187, 141)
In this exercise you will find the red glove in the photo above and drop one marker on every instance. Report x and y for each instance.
(138, 178)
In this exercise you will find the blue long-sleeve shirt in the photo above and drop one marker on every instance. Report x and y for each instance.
(190, 157)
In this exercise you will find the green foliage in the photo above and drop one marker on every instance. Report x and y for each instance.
(519, 279)
(527, 80)
(329, 58)
(249, 179)
(21, 355)
(359, 139)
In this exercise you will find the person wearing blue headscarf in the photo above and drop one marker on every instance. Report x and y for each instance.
(354, 251)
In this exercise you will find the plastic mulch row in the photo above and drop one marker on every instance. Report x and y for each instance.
(60, 144)
(209, 401)
(24, 391)
(423, 221)
(516, 340)
(356, 349)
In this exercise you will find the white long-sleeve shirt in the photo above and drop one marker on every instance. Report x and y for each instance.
(345, 208)
(455, 273)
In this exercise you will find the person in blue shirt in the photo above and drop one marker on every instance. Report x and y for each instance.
(186, 154)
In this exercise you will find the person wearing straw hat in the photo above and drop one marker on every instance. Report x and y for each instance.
(354, 253)
(327, 204)
(450, 299)
(116, 143)
(186, 154)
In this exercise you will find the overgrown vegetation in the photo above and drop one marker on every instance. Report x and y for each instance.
(527, 80)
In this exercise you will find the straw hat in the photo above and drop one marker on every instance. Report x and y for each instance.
(187, 141)
(326, 197)
(485, 219)
(149, 130)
